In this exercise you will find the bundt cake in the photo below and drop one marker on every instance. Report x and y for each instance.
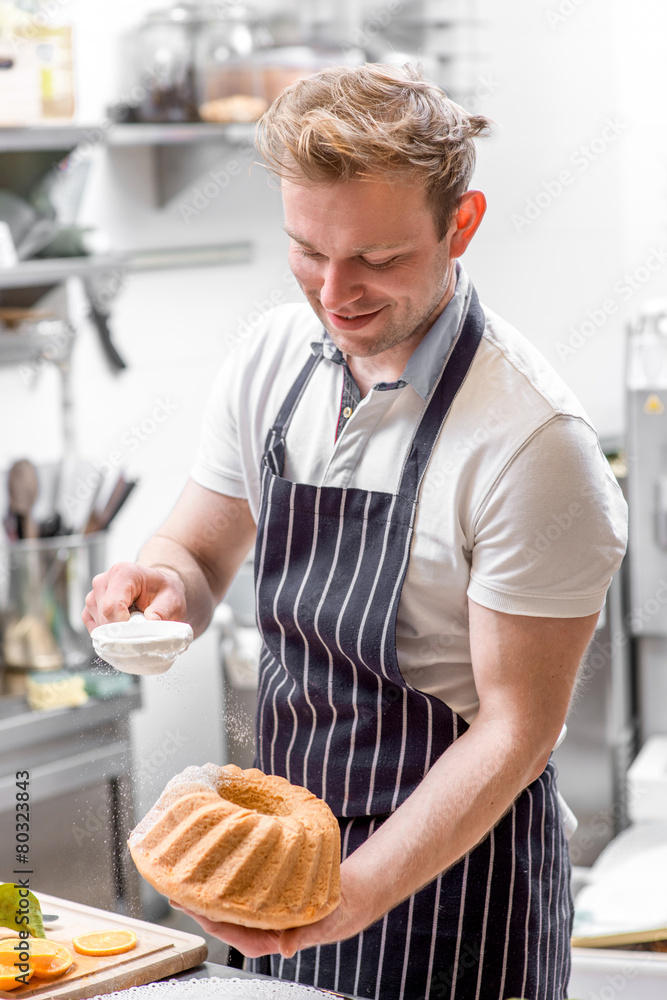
(241, 846)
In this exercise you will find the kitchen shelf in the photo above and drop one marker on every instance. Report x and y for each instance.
(21, 728)
(26, 138)
(23, 348)
(26, 348)
(42, 272)
(31, 347)
(181, 152)
(38, 273)
(214, 255)
(178, 135)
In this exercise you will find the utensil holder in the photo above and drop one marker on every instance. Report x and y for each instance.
(43, 586)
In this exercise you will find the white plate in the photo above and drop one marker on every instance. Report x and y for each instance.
(220, 989)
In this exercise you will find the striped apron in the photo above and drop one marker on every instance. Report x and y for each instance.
(334, 714)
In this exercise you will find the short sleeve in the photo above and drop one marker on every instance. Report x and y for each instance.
(552, 530)
(246, 397)
(218, 465)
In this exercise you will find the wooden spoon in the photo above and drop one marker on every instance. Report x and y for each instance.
(23, 487)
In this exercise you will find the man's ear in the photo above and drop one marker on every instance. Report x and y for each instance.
(472, 206)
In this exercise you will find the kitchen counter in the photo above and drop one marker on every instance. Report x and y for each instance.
(58, 745)
(79, 766)
(20, 727)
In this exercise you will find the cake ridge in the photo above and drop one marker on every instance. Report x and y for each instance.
(227, 856)
(168, 845)
(244, 877)
(205, 829)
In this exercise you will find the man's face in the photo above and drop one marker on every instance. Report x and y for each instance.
(367, 257)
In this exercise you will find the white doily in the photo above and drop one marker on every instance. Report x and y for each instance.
(221, 989)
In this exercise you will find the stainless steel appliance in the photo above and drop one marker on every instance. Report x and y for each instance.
(81, 803)
(79, 759)
(594, 758)
(647, 470)
(647, 498)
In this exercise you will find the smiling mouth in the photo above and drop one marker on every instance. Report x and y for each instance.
(354, 319)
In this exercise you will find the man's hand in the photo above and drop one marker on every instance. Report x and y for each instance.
(253, 942)
(350, 917)
(184, 570)
(159, 593)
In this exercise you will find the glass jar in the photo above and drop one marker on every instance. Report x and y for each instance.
(227, 47)
(43, 587)
(166, 64)
(285, 64)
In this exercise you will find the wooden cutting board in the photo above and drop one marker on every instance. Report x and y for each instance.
(626, 939)
(160, 952)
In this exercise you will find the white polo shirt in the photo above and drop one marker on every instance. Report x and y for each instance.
(518, 509)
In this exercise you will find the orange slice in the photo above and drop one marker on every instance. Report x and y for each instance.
(54, 965)
(48, 959)
(9, 949)
(35, 946)
(105, 942)
(8, 973)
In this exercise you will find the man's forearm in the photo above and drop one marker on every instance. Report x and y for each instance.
(461, 798)
(166, 554)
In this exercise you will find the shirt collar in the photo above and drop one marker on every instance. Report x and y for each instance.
(426, 361)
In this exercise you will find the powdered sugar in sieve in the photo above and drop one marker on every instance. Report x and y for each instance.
(140, 645)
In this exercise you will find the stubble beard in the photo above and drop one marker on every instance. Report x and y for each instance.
(396, 331)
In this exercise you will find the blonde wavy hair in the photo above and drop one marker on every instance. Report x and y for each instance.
(369, 121)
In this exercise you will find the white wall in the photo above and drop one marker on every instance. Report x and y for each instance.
(562, 71)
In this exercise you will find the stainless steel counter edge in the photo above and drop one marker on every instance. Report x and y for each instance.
(25, 727)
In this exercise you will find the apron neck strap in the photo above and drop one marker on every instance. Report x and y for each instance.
(450, 380)
(284, 418)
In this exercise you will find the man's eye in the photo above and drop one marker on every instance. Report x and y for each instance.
(378, 267)
(313, 255)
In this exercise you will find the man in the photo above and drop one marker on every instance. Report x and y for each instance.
(435, 529)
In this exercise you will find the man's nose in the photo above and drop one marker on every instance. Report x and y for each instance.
(340, 286)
